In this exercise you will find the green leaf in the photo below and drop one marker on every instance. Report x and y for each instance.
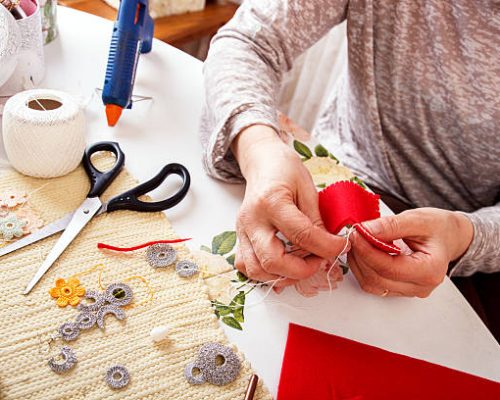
(345, 269)
(224, 242)
(239, 298)
(230, 321)
(221, 309)
(355, 179)
(239, 315)
(321, 185)
(302, 149)
(321, 151)
(230, 259)
(333, 157)
(206, 248)
(241, 277)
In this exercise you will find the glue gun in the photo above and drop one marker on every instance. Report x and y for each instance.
(132, 35)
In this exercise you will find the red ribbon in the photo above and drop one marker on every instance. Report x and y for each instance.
(140, 246)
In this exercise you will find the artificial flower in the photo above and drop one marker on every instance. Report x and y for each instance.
(11, 226)
(69, 292)
(12, 199)
(31, 218)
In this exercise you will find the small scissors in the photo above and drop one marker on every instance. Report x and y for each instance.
(92, 206)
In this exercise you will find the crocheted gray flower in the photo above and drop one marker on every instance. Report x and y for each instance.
(218, 364)
(160, 255)
(69, 331)
(186, 268)
(98, 300)
(117, 377)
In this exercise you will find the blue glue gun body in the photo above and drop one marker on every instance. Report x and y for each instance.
(132, 36)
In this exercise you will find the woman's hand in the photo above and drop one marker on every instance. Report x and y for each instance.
(436, 238)
(279, 196)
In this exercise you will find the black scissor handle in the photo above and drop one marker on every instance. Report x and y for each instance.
(99, 180)
(130, 199)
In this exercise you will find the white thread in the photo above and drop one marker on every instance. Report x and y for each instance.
(330, 289)
(43, 144)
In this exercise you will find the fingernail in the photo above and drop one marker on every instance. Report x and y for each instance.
(278, 290)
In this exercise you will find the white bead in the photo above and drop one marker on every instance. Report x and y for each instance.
(159, 333)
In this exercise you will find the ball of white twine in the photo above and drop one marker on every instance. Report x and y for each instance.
(43, 141)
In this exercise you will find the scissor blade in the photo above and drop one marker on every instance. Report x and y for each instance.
(49, 230)
(80, 218)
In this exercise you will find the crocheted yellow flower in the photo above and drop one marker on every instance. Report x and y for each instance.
(69, 292)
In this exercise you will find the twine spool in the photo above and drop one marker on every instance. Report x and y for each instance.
(43, 133)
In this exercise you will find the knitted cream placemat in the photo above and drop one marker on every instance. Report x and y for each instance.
(27, 323)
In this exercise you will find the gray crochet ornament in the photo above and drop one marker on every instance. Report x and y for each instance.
(69, 331)
(218, 365)
(118, 294)
(98, 301)
(109, 309)
(161, 255)
(186, 268)
(117, 377)
(194, 374)
(68, 361)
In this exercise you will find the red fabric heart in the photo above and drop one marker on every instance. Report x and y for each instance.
(319, 366)
(346, 203)
(379, 244)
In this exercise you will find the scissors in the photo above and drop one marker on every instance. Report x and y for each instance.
(92, 206)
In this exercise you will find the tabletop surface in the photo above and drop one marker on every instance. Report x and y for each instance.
(442, 328)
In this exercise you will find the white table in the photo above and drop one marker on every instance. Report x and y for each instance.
(441, 329)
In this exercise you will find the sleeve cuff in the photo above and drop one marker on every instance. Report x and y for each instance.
(218, 159)
(478, 253)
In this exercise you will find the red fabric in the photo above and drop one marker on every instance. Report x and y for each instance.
(319, 366)
(384, 246)
(346, 202)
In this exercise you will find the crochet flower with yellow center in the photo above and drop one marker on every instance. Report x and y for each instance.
(69, 292)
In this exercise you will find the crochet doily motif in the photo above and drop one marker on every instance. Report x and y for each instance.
(218, 364)
(186, 268)
(69, 360)
(117, 377)
(161, 255)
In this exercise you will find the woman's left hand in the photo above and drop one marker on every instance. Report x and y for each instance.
(436, 238)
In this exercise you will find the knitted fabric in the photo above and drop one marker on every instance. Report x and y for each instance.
(28, 322)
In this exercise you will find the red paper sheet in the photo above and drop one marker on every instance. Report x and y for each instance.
(319, 366)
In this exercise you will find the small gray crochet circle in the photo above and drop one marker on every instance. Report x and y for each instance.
(119, 294)
(85, 320)
(68, 361)
(191, 377)
(117, 377)
(69, 331)
(186, 268)
(161, 255)
(109, 309)
(222, 374)
(99, 300)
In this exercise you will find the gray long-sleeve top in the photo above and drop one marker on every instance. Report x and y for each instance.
(417, 112)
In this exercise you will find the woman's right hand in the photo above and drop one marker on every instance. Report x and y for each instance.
(280, 196)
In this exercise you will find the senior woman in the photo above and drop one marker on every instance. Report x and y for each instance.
(416, 115)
